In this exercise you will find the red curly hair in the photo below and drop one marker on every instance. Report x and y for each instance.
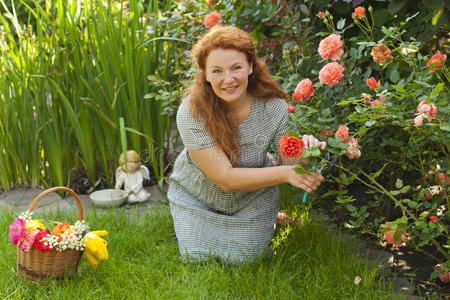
(219, 122)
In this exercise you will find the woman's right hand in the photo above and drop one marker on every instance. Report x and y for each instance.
(306, 181)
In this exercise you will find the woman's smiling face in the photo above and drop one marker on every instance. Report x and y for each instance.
(227, 70)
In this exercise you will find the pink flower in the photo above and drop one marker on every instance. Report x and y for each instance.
(321, 14)
(433, 219)
(26, 242)
(342, 132)
(38, 241)
(17, 230)
(428, 109)
(291, 108)
(444, 277)
(331, 73)
(353, 150)
(366, 97)
(418, 121)
(381, 100)
(212, 3)
(212, 19)
(443, 177)
(359, 12)
(304, 90)
(283, 219)
(381, 53)
(436, 61)
(325, 133)
(331, 47)
(372, 83)
(389, 236)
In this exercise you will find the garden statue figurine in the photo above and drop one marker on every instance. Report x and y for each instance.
(133, 179)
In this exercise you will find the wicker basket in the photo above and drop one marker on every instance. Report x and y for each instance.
(38, 265)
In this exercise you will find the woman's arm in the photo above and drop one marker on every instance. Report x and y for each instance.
(216, 166)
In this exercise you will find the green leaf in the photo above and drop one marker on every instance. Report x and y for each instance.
(398, 183)
(397, 235)
(332, 142)
(340, 24)
(395, 76)
(398, 88)
(307, 153)
(293, 133)
(394, 193)
(405, 189)
(315, 152)
(370, 123)
(412, 204)
(396, 5)
(437, 89)
(351, 208)
(343, 145)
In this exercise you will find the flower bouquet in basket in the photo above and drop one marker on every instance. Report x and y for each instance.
(53, 249)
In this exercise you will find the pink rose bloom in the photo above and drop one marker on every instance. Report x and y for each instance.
(342, 132)
(443, 177)
(429, 109)
(381, 53)
(418, 121)
(26, 242)
(444, 277)
(17, 230)
(353, 151)
(212, 19)
(304, 90)
(372, 83)
(359, 12)
(321, 14)
(325, 133)
(380, 100)
(331, 73)
(331, 47)
(436, 61)
(389, 236)
(283, 219)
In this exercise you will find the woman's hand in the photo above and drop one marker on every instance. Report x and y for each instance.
(273, 159)
(310, 141)
(307, 181)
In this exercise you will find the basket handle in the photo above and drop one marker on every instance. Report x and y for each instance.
(55, 189)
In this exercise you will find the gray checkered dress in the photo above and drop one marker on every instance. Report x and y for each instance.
(236, 226)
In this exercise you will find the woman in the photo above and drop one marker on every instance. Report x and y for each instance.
(223, 192)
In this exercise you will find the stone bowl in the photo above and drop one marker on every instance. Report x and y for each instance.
(108, 198)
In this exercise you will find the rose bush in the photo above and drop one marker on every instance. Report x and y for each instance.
(396, 113)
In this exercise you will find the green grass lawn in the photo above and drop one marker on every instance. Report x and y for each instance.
(310, 263)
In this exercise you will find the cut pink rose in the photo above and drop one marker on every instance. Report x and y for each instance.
(26, 242)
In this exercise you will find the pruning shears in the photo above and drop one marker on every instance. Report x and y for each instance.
(325, 164)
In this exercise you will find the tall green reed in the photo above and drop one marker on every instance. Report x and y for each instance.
(67, 81)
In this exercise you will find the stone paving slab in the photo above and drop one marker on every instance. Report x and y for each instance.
(19, 200)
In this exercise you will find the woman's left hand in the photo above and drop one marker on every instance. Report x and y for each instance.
(310, 141)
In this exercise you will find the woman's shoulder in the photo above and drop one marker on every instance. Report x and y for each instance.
(274, 105)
